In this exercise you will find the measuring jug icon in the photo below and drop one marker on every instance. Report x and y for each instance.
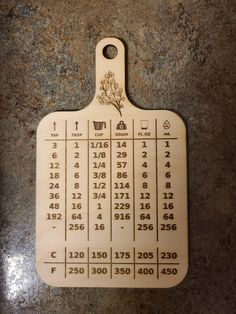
(121, 126)
(99, 125)
(144, 124)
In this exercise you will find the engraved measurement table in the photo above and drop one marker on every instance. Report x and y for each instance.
(111, 191)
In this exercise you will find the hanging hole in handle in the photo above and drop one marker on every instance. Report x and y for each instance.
(110, 51)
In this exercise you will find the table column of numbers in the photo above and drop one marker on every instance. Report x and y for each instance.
(122, 182)
(76, 263)
(53, 187)
(145, 163)
(123, 263)
(99, 181)
(168, 186)
(76, 176)
(55, 215)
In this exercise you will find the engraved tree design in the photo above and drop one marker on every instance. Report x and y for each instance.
(111, 93)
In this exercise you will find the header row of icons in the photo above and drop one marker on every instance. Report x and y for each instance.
(121, 125)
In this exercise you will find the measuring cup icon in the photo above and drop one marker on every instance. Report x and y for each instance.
(99, 125)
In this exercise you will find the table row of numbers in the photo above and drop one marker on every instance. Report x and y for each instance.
(109, 270)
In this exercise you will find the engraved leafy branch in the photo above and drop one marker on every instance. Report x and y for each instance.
(111, 93)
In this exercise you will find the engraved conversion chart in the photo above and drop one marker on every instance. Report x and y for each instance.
(111, 203)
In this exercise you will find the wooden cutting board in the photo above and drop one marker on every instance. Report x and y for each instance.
(111, 190)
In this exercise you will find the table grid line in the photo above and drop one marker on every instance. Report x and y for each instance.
(158, 263)
(111, 213)
(65, 260)
(88, 264)
(156, 152)
(88, 187)
(65, 180)
(134, 263)
(133, 183)
(109, 263)
(113, 139)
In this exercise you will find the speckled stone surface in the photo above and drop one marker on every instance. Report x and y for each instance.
(181, 56)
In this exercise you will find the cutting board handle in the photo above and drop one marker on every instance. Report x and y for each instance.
(110, 74)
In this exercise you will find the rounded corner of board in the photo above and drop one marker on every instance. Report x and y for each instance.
(46, 119)
(177, 117)
(44, 280)
(179, 280)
